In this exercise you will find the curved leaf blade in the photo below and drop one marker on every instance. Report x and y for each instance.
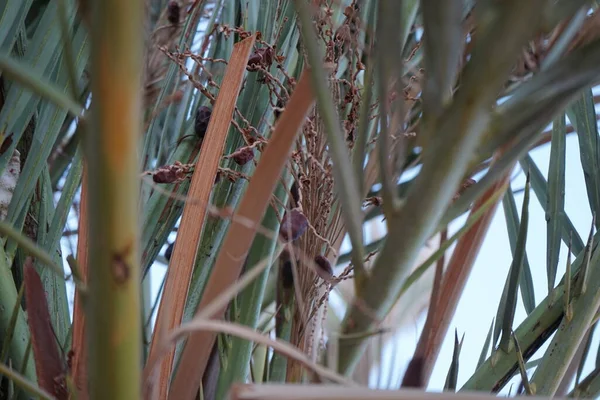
(512, 225)
(515, 272)
(556, 197)
(582, 115)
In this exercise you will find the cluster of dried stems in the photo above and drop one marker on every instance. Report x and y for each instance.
(310, 163)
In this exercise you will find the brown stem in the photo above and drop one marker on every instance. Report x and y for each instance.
(413, 378)
(79, 348)
(453, 283)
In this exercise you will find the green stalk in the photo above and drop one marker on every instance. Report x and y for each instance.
(556, 198)
(20, 333)
(284, 322)
(532, 333)
(589, 388)
(510, 301)
(115, 346)
(250, 301)
(360, 148)
(561, 351)
(388, 64)
(347, 188)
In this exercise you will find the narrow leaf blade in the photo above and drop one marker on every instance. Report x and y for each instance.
(515, 272)
(486, 346)
(452, 377)
(556, 197)
(239, 237)
(582, 115)
(540, 188)
(512, 225)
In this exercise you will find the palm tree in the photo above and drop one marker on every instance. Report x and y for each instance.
(249, 199)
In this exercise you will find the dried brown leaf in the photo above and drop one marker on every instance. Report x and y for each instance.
(174, 297)
(240, 236)
(454, 280)
(588, 32)
(49, 365)
(79, 350)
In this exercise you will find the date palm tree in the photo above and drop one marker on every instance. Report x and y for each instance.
(248, 199)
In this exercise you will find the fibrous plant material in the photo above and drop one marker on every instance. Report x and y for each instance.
(313, 192)
(165, 35)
